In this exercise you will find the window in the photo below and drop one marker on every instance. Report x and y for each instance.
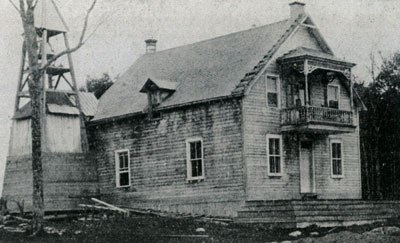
(336, 158)
(274, 154)
(195, 162)
(296, 95)
(272, 83)
(122, 168)
(333, 96)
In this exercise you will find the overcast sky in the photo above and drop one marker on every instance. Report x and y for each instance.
(353, 28)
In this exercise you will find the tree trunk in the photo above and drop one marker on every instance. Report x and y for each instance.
(35, 91)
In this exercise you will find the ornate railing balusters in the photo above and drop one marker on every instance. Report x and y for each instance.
(302, 114)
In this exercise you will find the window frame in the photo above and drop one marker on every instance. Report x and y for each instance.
(275, 136)
(117, 168)
(338, 90)
(278, 89)
(189, 176)
(332, 141)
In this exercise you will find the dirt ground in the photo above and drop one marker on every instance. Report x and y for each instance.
(147, 228)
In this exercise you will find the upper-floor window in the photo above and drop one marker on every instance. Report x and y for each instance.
(274, 154)
(272, 83)
(194, 158)
(295, 95)
(122, 168)
(337, 158)
(333, 96)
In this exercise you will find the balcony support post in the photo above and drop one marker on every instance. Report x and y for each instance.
(307, 102)
(351, 91)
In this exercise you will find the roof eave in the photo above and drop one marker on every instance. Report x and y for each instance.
(162, 108)
(311, 57)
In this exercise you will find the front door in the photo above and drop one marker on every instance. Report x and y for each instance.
(306, 167)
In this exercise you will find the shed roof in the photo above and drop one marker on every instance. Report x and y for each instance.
(203, 70)
(61, 103)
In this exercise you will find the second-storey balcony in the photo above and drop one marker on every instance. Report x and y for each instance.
(308, 119)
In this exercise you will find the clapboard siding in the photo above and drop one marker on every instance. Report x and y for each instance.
(301, 38)
(67, 177)
(259, 120)
(158, 159)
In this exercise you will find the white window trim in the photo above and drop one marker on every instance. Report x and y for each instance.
(278, 84)
(332, 141)
(117, 172)
(189, 176)
(280, 151)
(338, 86)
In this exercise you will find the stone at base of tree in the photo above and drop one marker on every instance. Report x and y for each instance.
(295, 234)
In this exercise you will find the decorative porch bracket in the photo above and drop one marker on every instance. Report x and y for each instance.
(307, 63)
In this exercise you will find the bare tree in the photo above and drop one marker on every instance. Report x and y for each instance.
(36, 71)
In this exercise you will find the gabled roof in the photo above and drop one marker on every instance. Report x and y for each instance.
(159, 83)
(204, 70)
(220, 67)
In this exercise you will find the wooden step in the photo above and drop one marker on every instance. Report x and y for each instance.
(340, 218)
(347, 212)
(320, 212)
(268, 208)
(343, 207)
(267, 214)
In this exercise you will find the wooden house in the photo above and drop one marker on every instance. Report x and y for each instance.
(220, 126)
(235, 125)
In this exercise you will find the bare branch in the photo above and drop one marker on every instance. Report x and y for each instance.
(81, 39)
(15, 6)
(104, 19)
(34, 4)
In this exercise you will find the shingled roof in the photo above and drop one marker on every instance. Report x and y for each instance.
(205, 70)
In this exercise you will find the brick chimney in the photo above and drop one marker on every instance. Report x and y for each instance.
(296, 8)
(151, 45)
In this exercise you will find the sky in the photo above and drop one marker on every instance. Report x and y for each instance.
(353, 29)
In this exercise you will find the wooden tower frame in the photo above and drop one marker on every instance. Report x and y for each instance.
(45, 32)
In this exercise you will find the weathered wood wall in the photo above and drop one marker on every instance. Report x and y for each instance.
(62, 135)
(158, 159)
(67, 177)
(259, 120)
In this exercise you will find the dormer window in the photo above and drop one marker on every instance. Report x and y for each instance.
(158, 90)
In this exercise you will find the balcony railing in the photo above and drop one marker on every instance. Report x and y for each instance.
(323, 115)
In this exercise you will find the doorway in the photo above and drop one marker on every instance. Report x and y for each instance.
(306, 167)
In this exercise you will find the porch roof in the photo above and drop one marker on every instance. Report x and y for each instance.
(302, 53)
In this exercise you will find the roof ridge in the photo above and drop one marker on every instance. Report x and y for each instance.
(217, 37)
(249, 77)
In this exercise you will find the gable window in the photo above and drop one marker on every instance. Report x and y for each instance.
(333, 96)
(337, 158)
(122, 168)
(272, 83)
(194, 158)
(274, 154)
